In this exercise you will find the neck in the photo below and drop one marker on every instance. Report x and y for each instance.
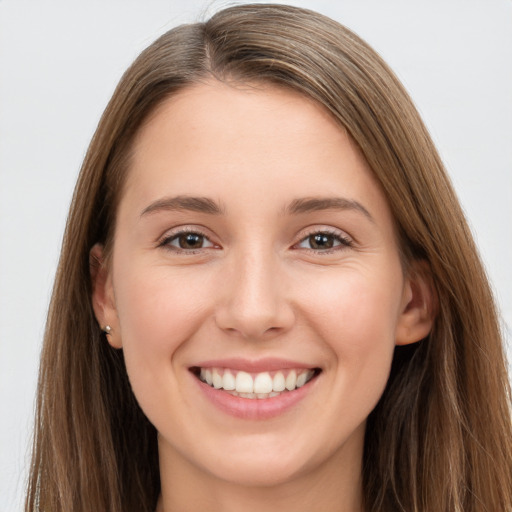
(334, 486)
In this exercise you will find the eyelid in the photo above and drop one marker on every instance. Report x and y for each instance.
(173, 233)
(346, 241)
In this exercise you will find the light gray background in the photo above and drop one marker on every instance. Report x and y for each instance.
(59, 63)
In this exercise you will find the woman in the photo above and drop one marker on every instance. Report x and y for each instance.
(268, 296)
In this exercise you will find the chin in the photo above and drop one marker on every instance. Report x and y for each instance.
(259, 473)
(265, 461)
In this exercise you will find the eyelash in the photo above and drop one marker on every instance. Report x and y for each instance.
(344, 241)
(166, 241)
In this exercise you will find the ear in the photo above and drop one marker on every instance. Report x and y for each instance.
(103, 300)
(419, 304)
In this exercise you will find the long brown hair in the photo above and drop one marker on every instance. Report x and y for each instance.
(440, 437)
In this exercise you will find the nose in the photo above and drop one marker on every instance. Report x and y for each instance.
(253, 301)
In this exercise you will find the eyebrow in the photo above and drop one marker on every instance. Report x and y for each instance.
(194, 204)
(313, 204)
(297, 206)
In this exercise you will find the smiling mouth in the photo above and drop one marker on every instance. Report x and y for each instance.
(255, 385)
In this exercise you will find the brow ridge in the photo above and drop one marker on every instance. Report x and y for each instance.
(183, 202)
(297, 206)
(312, 204)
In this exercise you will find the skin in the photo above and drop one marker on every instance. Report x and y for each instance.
(256, 288)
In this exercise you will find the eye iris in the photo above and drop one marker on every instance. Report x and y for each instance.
(190, 241)
(321, 241)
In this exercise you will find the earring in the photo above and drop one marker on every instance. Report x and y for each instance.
(107, 329)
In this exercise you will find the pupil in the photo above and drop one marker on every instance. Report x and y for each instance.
(191, 241)
(321, 241)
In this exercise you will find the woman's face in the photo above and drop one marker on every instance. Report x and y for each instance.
(254, 251)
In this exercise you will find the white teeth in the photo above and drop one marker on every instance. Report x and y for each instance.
(301, 379)
(244, 383)
(263, 383)
(228, 381)
(261, 386)
(217, 379)
(291, 380)
(279, 382)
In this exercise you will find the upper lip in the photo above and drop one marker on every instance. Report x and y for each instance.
(253, 366)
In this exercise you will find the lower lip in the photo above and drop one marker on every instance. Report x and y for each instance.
(255, 408)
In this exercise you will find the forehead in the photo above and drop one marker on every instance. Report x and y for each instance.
(256, 115)
(247, 141)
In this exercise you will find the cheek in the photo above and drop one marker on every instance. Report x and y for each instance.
(154, 300)
(355, 314)
(359, 307)
(158, 312)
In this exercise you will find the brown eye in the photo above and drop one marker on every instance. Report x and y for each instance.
(321, 241)
(187, 241)
(324, 241)
(190, 241)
